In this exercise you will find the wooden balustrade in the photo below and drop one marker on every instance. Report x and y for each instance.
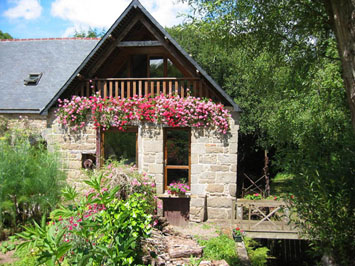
(263, 218)
(129, 87)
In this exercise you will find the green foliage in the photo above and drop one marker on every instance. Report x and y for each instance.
(30, 178)
(257, 255)
(103, 228)
(90, 33)
(5, 35)
(220, 248)
(278, 60)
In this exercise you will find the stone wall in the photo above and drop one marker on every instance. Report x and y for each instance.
(213, 173)
(213, 160)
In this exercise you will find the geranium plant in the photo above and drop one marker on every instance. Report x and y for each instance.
(238, 234)
(255, 196)
(178, 188)
(172, 111)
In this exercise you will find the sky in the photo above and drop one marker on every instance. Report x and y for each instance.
(61, 18)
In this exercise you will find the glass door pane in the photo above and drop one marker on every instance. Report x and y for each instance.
(177, 156)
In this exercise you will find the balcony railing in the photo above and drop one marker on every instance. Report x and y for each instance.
(129, 87)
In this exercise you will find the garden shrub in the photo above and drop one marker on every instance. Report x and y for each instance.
(220, 248)
(258, 255)
(30, 177)
(105, 227)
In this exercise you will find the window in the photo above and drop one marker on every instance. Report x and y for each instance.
(121, 146)
(176, 155)
(173, 71)
(33, 79)
(156, 67)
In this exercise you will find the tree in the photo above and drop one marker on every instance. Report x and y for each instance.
(90, 33)
(342, 19)
(278, 60)
(4, 35)
(301, 24)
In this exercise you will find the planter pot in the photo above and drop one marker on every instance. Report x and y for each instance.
(237, 238)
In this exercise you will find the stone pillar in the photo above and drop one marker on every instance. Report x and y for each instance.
(213, 172)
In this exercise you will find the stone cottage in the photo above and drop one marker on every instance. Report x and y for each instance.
(135, 57)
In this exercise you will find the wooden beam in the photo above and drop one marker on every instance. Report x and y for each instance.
(139, 44)
(113, 46)
(172, 50)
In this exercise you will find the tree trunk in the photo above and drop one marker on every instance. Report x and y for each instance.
(266, 173)
(342, 19)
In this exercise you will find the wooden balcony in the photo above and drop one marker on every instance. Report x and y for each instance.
(129, 87)
(264, 219)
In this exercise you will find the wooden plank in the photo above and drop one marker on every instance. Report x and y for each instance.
(140, 88)
(158, 87)
(134, 88)
(146, 88)
(164, 87)
(99, 88)
(110, 89)
(182, 89)
(161, 78)
(122, 90)
(176, 87)
(139, 44)
(87, 89)
(177, 167)
(170, 87)
(110, 49)
(81, 93)
(152, 88)
(116, 89)
(128, 89)
(105, 90)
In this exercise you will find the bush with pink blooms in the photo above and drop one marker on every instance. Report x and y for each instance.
(172, 111)
(178, 188)
(105, 227)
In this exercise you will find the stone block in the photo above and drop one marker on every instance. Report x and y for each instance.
(227, 158)
(213, 148)
(227, 178)
(197, 202)
(194, 158)
(149, 158)
(74, 165)
(233, 168)
(208, 159)
(197, 169)
(232, 188)
(206, 181)
(215, 188)
(219, 202)
(217, 214)
(198, 189)
(208, 175)
(197, 214)
(197, 148)
(233, 148)
(155, 169)
(219, 168)
(153, 146)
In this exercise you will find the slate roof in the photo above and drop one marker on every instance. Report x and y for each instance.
(57, 59)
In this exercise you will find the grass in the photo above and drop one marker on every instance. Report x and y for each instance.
(220, 248)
